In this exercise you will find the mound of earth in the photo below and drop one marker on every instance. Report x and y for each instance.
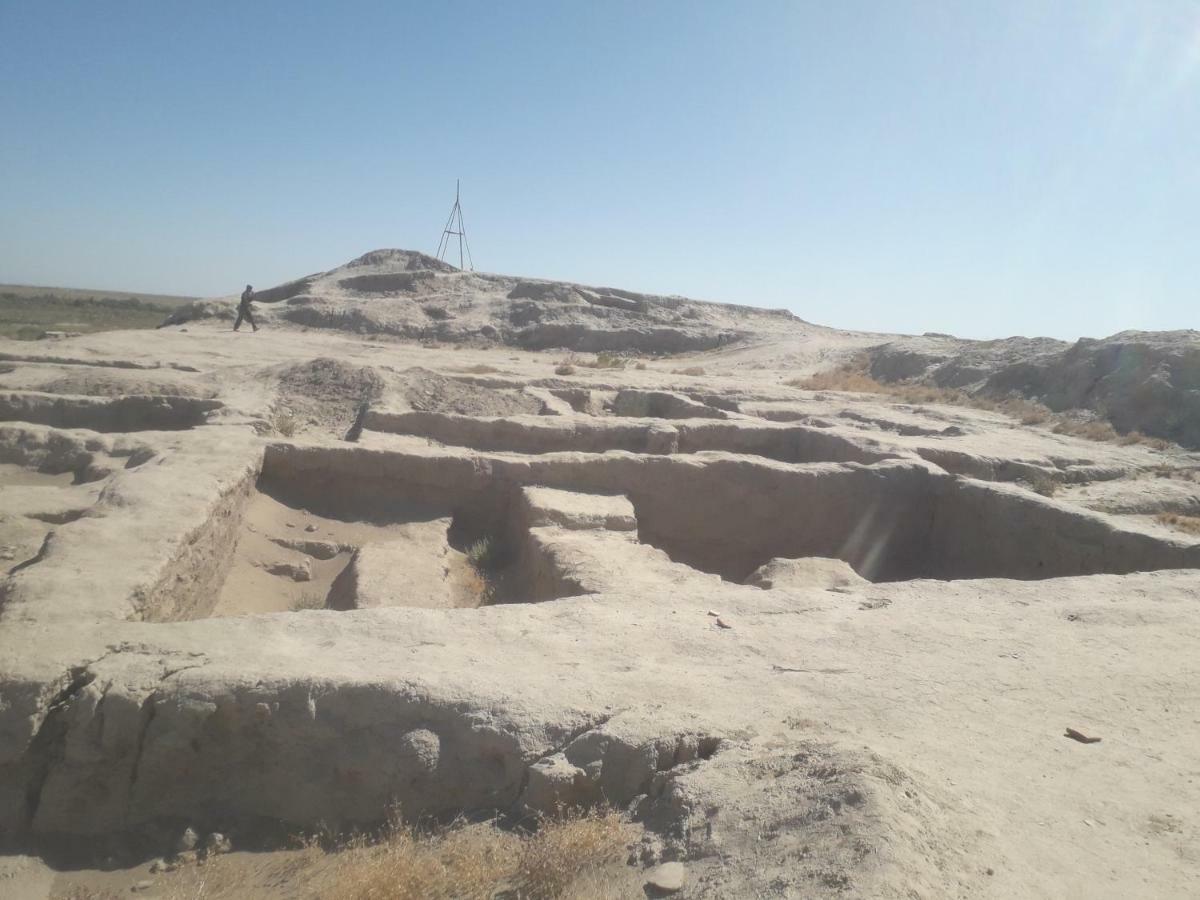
(1138, 380)
(410, 295)
(427, 391)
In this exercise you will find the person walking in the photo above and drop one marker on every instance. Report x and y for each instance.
(244, 309)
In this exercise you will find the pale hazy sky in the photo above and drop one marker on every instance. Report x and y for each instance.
(982, 168)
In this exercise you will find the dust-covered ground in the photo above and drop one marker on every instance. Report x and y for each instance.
(805, 642)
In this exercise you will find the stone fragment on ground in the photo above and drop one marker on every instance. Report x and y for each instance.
(668, 878)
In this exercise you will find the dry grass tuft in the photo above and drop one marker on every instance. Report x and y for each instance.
(606, 360)
(850, 377)
(1037, 416)
(1164, 471)
(564, 369)
(1043, 484)
(572, 856)
(565, 849)
(284, 423)
(465, 863)
(481, 369)
(691, 370)
(1188, 524)
(478, 862)
(309, 600)
(1089, 431)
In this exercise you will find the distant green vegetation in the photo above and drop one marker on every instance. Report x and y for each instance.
(26, 316)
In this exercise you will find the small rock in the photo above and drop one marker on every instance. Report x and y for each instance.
(667, 878)
(721, 623)
(187, 841)
(144, 885)
(310, 527)
(297, 571)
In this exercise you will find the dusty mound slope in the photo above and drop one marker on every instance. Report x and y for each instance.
(1138, 380)
(411, 295)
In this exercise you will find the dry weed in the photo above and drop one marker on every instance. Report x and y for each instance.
(481, 369)
(476, 862)
(846, 378)
(1089, 431)
(564, 369)
(691, 370)
(1164, 471)
(1188, 524)
(606, 360)
(284, 423)
(309, 600)
(562, 850)
(466, 863)
(220, 878)
(1043, 484)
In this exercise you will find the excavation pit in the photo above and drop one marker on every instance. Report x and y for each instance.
(126, 413)
(300, 556)
(300, 547)
(729, 515)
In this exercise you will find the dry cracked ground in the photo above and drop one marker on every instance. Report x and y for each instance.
(415, 545)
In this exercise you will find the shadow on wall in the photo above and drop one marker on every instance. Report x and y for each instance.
(890, 522)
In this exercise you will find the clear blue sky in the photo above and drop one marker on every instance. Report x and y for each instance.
(982, 168)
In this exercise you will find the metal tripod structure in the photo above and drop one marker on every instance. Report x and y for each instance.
(455, 227)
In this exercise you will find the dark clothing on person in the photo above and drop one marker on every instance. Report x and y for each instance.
(244, 310)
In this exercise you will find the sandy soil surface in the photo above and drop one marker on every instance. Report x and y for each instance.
(812, 643)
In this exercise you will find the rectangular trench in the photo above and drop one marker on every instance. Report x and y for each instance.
(890, 521)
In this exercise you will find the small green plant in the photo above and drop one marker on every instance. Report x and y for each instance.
(485, 554)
